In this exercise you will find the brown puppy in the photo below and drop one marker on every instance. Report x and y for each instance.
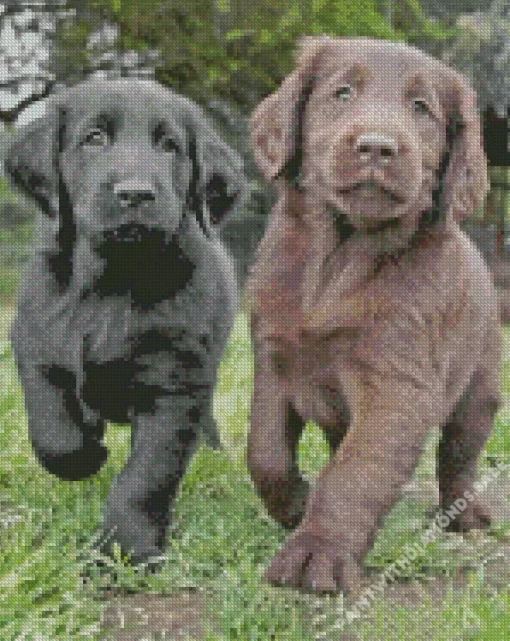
(372, 312)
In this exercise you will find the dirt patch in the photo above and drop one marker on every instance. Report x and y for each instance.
(184, 616)
(475, 549)
(153, 617)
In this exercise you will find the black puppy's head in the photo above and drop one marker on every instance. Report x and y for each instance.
(123, 159)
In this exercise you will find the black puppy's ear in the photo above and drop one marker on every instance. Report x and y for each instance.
(31, 162)
(225, 181)
(221, 180)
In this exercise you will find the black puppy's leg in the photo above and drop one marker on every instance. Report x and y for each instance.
(64, 443)
(138, 506)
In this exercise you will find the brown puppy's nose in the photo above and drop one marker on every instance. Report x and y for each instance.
(134, 192)
(376, 146)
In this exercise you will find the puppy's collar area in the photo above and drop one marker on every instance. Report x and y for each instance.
(378, 230)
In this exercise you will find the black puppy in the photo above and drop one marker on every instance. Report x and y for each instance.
(130, 296)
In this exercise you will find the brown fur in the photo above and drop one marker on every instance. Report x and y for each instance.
(378, 326)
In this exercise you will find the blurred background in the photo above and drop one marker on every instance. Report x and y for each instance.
(227, 55)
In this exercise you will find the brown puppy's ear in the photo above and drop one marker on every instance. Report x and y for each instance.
(465, 181)
(31, 162)
(275, 122)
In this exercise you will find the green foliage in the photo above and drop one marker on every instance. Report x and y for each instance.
(244, 52)
(240, 49)
(71, 57)
(17, 216)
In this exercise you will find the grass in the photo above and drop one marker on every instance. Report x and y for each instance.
(222, 540)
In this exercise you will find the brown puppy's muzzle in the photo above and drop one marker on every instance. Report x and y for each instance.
(374, 172)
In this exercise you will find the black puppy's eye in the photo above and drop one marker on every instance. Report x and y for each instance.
(344, 92)
(167, 144)
(163, 141)
(420, 106)
(96, 137)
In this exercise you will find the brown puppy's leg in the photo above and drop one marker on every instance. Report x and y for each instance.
(462, 441)
(272, 447)
(390, 419)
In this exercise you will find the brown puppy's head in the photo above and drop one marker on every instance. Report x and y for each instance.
(375, 129)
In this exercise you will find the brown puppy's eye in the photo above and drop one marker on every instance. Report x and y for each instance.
(344, 92)
(96, 137)
(421, 106)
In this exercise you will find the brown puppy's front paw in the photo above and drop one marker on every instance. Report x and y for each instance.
(475, 517)
(313, 564)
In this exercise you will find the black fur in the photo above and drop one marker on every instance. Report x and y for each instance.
(126, 306)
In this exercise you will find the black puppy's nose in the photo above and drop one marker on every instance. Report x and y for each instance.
(377, 146)
(134, 192)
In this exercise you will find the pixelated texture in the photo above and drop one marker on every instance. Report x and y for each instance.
(243, 353)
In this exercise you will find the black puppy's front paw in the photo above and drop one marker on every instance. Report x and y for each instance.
(139, 537)
(75, 465)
